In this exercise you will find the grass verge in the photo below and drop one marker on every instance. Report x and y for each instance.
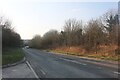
(12, 55)
(97, 56)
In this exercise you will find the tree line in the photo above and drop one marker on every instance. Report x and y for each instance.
(102, 31)
(10, 38)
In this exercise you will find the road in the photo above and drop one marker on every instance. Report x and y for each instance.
(49, 65)
(17, 71)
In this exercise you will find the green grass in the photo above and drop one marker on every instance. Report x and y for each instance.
(12, 55)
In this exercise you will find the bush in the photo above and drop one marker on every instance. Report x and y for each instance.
(117, 51)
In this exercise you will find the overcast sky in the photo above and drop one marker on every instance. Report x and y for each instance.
(35, 17)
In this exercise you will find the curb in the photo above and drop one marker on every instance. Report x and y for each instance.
(100, 60)
(10, 65)
(90, 58)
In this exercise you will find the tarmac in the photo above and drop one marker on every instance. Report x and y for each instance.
(19, 71)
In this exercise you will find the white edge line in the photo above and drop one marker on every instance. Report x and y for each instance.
(116, 72)
(79, 62)
(32, 70)
(73, 61)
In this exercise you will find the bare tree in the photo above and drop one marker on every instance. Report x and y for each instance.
(72, 32)
(50, 39)
(94, 35)
(10, 38)
(36, 41)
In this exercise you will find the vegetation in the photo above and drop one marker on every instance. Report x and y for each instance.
(9, 37)
(11, 42)
(11, 55)
(103, 31)
(104, 53)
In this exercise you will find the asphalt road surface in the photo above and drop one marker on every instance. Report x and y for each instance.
(49, 65)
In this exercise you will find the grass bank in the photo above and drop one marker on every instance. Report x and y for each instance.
(104, 54)
(97, 56)
(12, 55)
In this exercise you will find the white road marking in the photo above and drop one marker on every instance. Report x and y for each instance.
(99, 68)
(73, 61)
(14, 70)
(42, 71)
(32, 70)
(116, 72)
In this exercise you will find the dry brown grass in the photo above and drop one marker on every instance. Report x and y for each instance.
(104, 52)
(74, 49)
